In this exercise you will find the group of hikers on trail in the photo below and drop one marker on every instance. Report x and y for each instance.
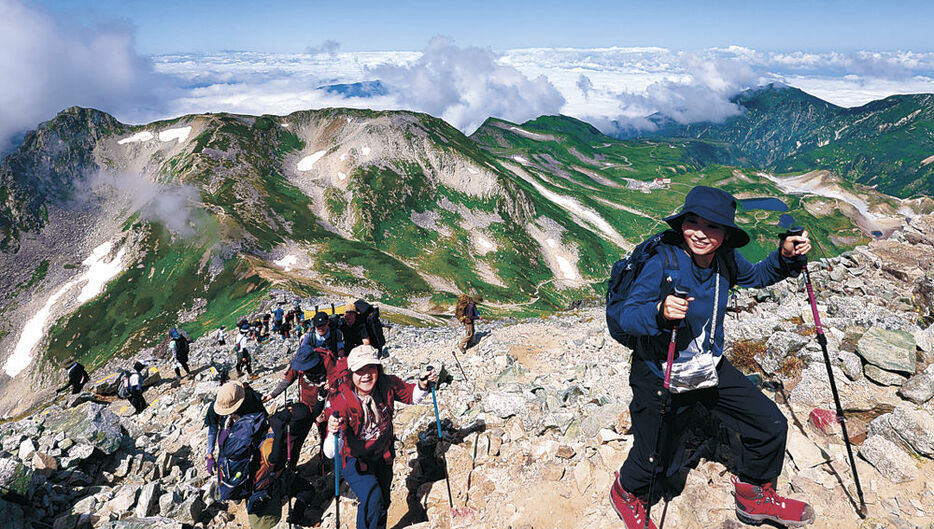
(666, 302)
(348, 396)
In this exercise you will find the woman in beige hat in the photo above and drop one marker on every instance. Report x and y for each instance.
(363, 408)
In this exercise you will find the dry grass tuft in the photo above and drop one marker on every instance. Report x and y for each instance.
(743, 355)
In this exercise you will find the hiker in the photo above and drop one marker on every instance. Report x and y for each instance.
(133, 383)
(285, 328)
(299, 313)
(308, 368)
(241, 349)
(699, 256)
(353, 327)
(369, 316)
(265, 331)
(277, 317)
(364, 405)
(77, 377)
(466, 313)
(220, 337)
(327, 335)
(179, 347)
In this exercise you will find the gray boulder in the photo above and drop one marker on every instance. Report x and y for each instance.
(779, 345)
(91, 423)
(505, 405)
(145, 523)
(907, 426)
(919, 388)
(890, 460)
(15, 476)
(883, 377)
(889, 350)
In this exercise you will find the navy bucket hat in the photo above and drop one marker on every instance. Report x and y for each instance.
(714, 205)
(306, 358)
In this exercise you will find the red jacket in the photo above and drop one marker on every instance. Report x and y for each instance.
(377, 441)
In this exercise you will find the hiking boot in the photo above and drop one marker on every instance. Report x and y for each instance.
(755, 504)
(629, 507)
(254, 377)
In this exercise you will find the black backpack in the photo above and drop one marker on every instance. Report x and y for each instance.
(374, 327)
(182, 348)
(626, 270)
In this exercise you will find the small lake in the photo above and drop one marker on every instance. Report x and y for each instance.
(786, 221)
(765, 203)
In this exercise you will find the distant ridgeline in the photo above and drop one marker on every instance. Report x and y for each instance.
(888, 144)
(396, 207)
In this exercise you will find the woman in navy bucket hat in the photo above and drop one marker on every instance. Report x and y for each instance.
(700, 257)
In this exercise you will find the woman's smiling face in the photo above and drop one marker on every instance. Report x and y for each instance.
(702, 236)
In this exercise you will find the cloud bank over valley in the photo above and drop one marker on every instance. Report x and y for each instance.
(51, 64)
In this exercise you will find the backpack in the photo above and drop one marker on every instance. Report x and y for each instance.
(182, 348)
(626, 270)
(374, 327)
(123, 386)
(460, 310)
(244, 470)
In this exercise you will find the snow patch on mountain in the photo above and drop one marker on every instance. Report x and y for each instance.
(180, 134)
(97, 275)
(306, 163)
(136, 138)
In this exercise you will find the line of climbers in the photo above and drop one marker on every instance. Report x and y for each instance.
(348, 397)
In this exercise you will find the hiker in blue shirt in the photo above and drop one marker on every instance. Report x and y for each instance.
(277, 318)
(703, 247)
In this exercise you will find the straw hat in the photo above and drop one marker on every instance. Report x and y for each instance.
(229, 398)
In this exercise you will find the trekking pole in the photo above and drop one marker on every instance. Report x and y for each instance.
(822, 340)
(459, 366)
(434, 399)
(337, 477)
(288, 466)
(665, 393)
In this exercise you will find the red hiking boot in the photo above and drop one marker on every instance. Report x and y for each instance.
(755, 504)
(629, 507)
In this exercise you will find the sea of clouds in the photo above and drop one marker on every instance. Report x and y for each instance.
(50, 65)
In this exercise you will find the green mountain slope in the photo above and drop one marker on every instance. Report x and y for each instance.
(884, 143)
(397, 207)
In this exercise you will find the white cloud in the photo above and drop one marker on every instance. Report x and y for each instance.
(464, 86)
(49, 65)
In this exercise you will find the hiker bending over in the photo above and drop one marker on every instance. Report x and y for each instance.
(365, 406)
(135, 388)
(699, 256)
(308, 368)
(77, 376)
(220, 337)
(233, 398)
(242, 350)
(466, 312)
(353, 328)
(179, 347)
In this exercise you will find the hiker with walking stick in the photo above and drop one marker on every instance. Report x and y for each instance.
(697, 255)
(364, 406)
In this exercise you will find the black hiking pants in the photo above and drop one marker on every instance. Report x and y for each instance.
(137, 400)
(244, 359)
(741, 407)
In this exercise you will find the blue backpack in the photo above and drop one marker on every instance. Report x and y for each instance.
(239, 458)
(626, 270)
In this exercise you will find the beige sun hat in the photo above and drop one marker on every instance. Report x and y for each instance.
(229, 398)
(361, 356)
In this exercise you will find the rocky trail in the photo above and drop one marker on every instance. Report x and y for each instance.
(533, 437)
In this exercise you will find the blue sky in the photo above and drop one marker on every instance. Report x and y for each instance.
(170, 26)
